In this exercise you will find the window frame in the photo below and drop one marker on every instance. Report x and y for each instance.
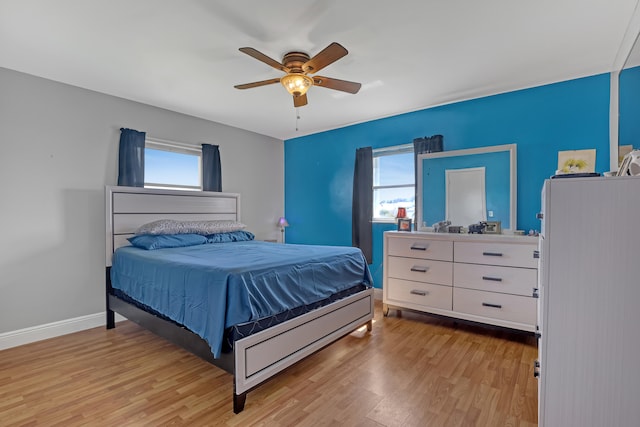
(389, 151)
(174, 147)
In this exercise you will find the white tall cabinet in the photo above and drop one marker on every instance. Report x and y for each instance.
(589, 305)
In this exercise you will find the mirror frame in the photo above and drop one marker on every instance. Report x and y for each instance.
(513, 174)
(628, 41)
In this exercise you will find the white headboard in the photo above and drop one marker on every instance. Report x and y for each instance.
(127, 208)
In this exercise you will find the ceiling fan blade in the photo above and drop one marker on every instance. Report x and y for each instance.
(336, 84)
(328, 55)
(263, 58)
(299, 101)
(257, 84)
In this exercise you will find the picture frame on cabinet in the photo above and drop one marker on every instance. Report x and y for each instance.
(404, 224)
(576, 161)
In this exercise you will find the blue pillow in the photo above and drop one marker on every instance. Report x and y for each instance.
(232, 236)
(159, 241)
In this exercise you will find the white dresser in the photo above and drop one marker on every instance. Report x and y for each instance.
(590, 303)
(483, 278)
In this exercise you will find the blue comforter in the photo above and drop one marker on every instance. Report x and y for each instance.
(210, 287)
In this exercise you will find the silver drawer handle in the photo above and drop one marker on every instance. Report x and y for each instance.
(419, 269)
(415, 247)
(417, 292)
(491, 254)
(486, 304)
(492, 279)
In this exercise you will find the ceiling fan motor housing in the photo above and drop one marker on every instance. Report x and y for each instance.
(295, 60)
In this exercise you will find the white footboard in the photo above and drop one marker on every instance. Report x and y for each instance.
(262, 355)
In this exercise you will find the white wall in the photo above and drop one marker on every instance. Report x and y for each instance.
(58, 150)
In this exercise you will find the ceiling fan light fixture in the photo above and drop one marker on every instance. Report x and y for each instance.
(296, 84)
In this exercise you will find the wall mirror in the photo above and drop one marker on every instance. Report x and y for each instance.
(624, 105)
(467, 186)
(629, 102)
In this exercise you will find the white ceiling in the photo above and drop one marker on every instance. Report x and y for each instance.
(408, 55)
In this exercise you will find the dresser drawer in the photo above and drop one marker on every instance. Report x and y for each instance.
(421, 270)
(508, 280)
(512, 308)
(420, 248)
(423, 294)
(512, 255)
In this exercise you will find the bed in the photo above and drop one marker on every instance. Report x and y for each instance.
(233, 315)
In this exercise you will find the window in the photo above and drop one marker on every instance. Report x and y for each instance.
(393, 182)
(172, 165)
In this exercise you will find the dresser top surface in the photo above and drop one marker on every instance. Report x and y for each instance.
(506, 238)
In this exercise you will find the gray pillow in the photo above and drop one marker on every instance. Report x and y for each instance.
(173, 226)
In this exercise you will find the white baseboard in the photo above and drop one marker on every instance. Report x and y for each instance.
(52, 330)
(69, 326)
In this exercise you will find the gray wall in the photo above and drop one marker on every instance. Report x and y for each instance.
(58, 150)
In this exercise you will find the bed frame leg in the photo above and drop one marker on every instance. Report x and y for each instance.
(111, 315)
(238, 402)
(111, 319)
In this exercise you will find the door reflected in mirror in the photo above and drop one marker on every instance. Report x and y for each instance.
(465, 198)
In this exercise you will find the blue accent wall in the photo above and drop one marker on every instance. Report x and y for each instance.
(570, 115)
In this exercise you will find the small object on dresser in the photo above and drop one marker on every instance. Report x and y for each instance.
(404, 224)
(455, 229)
(477, 228)
(493, 227)
(441, 226)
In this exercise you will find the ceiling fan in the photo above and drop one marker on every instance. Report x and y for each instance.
(298, 65)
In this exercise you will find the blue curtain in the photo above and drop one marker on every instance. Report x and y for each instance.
(131, 158)
(362, 209)
(211, 170)
(427, 144)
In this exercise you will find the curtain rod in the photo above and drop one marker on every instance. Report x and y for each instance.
(394, 148)
(159, 141)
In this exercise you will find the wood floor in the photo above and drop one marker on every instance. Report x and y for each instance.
(416, 370)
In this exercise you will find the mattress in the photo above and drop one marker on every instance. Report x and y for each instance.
(213, 287)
